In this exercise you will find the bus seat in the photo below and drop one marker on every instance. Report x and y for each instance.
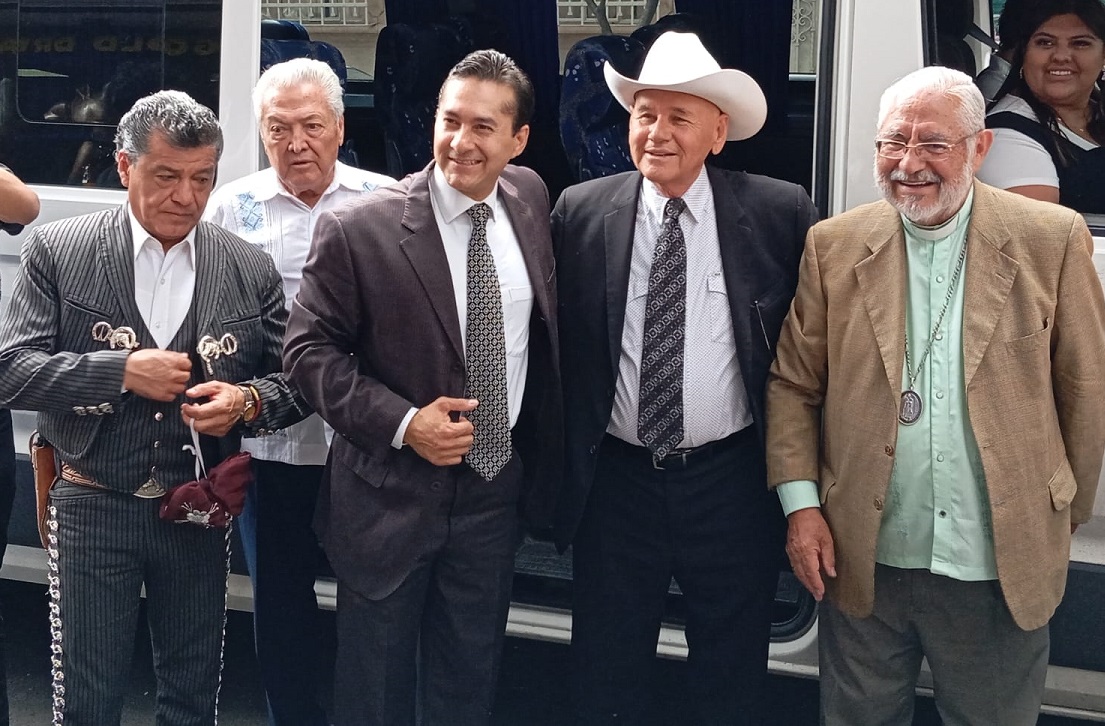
(296, 45)
(278, 51)
(412, 62)
(677, 22)
(594, 128)
(283, 30)
(954, 21)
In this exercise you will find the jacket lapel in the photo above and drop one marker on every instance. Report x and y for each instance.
(883, 284)
(426, 253)
(989, 276)
(738, 264)
(618, 228)
(526, 229)
(117, 258)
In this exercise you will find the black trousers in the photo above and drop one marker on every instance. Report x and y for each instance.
(283, 555)
(430, 651)
(109, 546)
(715, 528)
(7, 495)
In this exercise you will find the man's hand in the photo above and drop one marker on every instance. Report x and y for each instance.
(223, 409)
(810, 548)
(434, 435)
(160, 375)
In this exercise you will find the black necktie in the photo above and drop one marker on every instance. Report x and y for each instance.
(660, 404)
(485, 354)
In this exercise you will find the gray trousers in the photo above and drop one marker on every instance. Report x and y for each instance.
(108, 546)
(986, 671)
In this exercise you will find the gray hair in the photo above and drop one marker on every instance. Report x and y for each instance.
(937, 80)
(295, 72)
(184, 122)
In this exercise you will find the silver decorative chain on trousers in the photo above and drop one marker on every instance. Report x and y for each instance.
(660, 403)
(485, 354)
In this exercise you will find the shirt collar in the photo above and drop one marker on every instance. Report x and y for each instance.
(451, 203)
(269, 186)
(696, 197)
(139, 236)
(945, 230)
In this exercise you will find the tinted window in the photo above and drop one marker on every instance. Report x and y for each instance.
(69, 70)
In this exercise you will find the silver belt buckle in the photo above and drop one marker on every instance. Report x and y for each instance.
(150, 490)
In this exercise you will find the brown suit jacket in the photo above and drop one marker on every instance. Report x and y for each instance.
(1034, 358)
(373, 332)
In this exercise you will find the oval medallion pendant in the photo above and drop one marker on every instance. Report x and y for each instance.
(910, 409)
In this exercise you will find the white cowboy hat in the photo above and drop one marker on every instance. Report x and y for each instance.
(679, 62)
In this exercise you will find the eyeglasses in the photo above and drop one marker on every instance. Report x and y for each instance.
(926, 151)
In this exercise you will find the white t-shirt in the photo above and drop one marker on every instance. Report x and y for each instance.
(1016, 160)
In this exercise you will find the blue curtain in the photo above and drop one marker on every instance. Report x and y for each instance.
(753, 36)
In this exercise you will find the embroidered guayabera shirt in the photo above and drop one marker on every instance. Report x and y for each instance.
(937, 513)
(260, 210)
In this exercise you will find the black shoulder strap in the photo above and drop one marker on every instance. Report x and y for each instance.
(1033, 130)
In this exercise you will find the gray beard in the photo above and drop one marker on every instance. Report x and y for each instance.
(950, 198)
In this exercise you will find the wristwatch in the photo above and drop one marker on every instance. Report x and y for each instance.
(251, 409)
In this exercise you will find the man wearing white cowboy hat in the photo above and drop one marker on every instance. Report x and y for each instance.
(673, 283)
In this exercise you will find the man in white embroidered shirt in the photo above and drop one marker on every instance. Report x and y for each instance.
(299, 109)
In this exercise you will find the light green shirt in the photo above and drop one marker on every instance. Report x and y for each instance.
(937, 514)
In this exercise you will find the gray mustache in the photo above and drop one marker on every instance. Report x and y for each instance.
(921, 177)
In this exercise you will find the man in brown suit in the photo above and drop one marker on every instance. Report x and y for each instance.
(936, 422)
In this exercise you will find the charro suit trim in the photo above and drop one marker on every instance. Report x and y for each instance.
(118, 263)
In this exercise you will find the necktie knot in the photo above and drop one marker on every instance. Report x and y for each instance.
(480, 213)
(674, 208)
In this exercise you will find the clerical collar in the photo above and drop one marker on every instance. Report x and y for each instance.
(945, 230)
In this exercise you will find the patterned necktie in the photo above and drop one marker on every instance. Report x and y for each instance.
(660, 403)
(485, 354)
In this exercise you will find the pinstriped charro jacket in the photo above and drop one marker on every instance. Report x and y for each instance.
(78, 272)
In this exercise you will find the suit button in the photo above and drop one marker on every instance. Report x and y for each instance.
(591, 450)
(889, 450)
(435, 486)
(878, 504)
(158, 416)
(157, 444)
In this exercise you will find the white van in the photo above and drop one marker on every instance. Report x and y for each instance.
(68, 68)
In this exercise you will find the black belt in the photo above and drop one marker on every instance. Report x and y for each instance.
(678, 459)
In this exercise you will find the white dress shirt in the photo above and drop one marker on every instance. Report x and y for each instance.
(163, 281)
(260, 210)
(450, 210)
(715, 402)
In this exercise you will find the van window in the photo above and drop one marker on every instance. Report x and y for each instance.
(395, 66)
(70, 69)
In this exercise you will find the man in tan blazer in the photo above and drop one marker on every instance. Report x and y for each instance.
(936, 422)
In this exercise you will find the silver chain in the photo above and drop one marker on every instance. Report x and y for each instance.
(939, 321)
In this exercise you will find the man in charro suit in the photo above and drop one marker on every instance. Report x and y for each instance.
(124, 328)
(936, 422)
(673, 282)
(424, 332)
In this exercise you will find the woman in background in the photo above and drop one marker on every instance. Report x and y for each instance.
(1048, 118)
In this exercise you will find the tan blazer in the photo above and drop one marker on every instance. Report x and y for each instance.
(1034, 359)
